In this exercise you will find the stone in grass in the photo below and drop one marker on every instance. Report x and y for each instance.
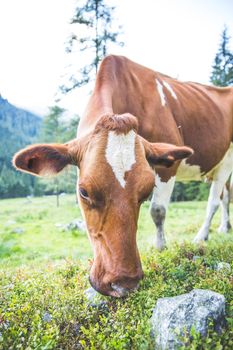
(175, 317)
(95, 300)
(91, 294)
(196, 258)
(76, 225)
(47, 317)
(223, 266)
(18, 230)
(73, 225)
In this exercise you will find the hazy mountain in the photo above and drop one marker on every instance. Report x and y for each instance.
(18, 128)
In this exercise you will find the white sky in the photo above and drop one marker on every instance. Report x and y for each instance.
(176, 37)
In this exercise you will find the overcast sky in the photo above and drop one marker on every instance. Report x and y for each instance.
(176, 37)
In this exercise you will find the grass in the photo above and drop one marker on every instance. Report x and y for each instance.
(43, 276)
(43, 242)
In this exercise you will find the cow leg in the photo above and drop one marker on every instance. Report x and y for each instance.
(159, 203)
(220, 177)
(225, 225)
(212, 206)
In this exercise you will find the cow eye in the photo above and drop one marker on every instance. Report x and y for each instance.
(83, 193)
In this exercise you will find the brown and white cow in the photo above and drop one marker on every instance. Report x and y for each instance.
(137, 131)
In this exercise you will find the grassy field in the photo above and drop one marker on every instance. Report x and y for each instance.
(41, 241)
(43, 276)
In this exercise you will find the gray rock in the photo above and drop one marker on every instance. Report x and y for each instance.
(76, 225)
(223, 266)
(73, 225)
(47, 317)
(18, 230)
(174, 317)
(90, 294)
(95, 300)
(196, 257)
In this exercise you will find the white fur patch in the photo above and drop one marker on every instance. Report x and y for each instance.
(161, 197)
(220, 175)
(162, 191)
(120, 153)
(161, 93)
(169, 88)
(225, 220)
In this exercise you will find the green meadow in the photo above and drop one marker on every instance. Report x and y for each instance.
(44, 275)
(42, 241)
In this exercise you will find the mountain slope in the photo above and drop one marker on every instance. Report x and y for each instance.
(17, 129)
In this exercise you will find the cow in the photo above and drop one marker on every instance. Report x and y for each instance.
(140, 131)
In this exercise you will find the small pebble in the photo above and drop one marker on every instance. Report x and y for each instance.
(90, 294)
(47, 317)
(18, 230)
(223, 266)
(196, 257)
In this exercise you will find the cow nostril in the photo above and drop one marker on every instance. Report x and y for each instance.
(121, 291)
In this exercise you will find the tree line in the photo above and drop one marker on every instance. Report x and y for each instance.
(20, 128)
(57, 127)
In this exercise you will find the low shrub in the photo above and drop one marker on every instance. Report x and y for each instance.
(46, 308)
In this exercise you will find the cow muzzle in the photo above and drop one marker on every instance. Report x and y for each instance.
(119, 291)
(121, 287)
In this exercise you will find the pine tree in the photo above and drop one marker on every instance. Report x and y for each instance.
(222, 73)
(94, 35)
(57, 128)
(52, 127)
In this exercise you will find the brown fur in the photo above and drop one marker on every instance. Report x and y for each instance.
(122, 124)
(201, 117)
(33, 159)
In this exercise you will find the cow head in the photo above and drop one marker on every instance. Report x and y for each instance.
(116, 176)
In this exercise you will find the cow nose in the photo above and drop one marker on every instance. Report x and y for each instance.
(125, 286)
(120, 291)
(119, 288)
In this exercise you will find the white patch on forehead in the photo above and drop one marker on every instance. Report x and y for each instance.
(161, 93)
(168, 86)
(120, 153)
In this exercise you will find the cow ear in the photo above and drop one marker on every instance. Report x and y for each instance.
(165, 154)
(44, 159)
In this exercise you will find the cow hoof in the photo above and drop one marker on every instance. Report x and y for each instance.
(225, 228)
(160, 246)
(200, 237)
